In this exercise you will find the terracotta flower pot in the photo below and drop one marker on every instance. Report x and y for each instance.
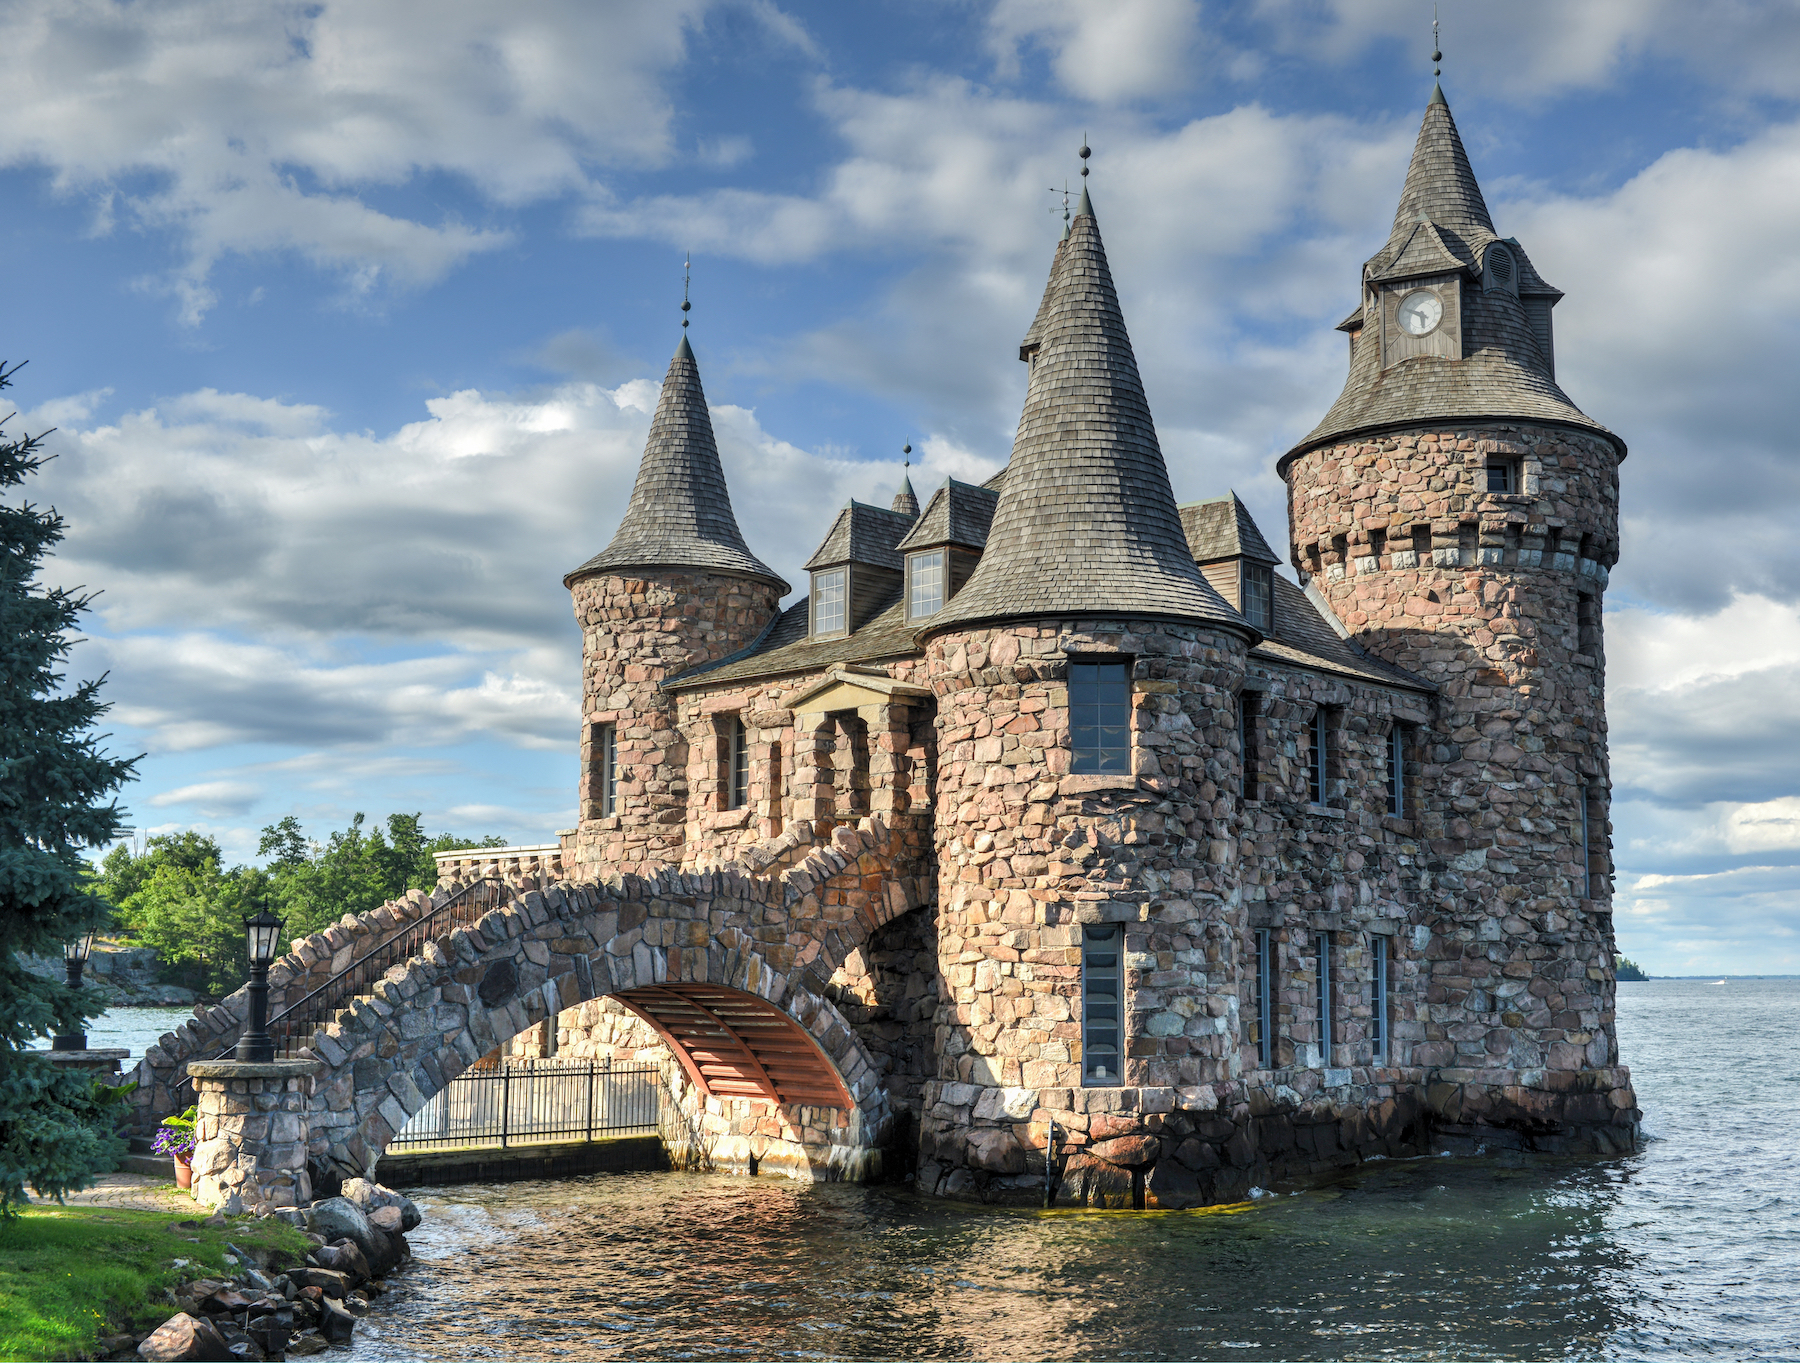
(184, 1173)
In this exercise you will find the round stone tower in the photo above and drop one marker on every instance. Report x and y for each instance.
(1460, 516)
(677, 588)
(1086, 676)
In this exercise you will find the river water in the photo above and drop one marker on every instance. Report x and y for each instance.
(1690, 1248)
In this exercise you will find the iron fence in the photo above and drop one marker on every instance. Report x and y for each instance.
(536, 1102)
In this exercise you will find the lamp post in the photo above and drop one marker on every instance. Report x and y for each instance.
(262, 934)
(75, 955)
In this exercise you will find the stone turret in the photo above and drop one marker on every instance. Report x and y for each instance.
(1459, 514)
(676, 589)
(1084, 676)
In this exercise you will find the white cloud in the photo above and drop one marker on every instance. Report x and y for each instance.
(251, 127)
(1122, 50)
(211, 799)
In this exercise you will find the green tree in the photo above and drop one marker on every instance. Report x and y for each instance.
(56, 798)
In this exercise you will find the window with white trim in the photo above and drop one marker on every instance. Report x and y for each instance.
(1318, 750)
(737, 764)
(1380, 949)
(829, 601)
(1259, 1023)
(924, 583)
(1256, 589)
(1396, 771)
(606, 768)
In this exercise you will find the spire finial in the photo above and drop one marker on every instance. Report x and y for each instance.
(1437, 52)
(906, 449)
(1086, 151)
(687, 268)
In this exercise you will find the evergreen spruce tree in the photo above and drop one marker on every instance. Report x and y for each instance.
(56, 789)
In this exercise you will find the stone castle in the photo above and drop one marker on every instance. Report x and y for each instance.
(1056, 841)
(1186, 872)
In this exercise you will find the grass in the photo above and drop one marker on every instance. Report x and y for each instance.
(71, 1275)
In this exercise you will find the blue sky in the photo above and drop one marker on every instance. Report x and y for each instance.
(350, 319)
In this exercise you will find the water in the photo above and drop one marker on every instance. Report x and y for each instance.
(136, 1029)
(1690, 1248)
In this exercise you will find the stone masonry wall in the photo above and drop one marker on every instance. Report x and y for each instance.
(1483, 595)
(636, 633)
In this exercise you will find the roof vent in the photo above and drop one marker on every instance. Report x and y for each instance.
(1499, 271)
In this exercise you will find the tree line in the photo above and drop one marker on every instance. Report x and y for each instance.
(176, 894)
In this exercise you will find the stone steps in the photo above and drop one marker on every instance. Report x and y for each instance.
(157, 1166)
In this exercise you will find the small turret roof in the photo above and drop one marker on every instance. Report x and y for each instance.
(1086, 522)
(1442, 227)
(680, 512)
(906, 501)
(1222, 527)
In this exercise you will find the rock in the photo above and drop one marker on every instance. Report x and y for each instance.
(238, 1343)
(185, 1337)
(117, 1344)
(338, 1218)
(329, 1281)
(996, 1150)
(347, 1258)
(335, 1323)
(1129, 1152)
(303, 1346)
(227, 1301)
(1172, 1186)
(387, 1219)
(369, 1195)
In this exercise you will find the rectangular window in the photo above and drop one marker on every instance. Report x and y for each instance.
(1587, 621)
(925, 584)
(1501, 476)
(1100, 717)
(828, 601)
(737, 754)
(1396, 771)
(1246, 715)
(606, 767)
(1316, 751)
(1258, 1030)
(1378, 999)
(1594, 864)
(1102, 1003)
(1322, 944)
(1257, 591)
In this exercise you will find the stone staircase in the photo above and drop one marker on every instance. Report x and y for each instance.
(143, 1160)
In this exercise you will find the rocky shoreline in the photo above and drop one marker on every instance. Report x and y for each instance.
(119, 976)
(268, 1309)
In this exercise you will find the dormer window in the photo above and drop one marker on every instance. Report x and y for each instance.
(1500, 273)
(1257, 592)
(924, 584)
(828, 601)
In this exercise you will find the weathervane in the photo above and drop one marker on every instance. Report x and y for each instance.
(1064, 191)
(1437, 54)
(687, 269)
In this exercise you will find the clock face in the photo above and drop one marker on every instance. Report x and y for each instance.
(1420, 312)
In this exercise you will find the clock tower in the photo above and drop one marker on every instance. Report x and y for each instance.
(1460, 516)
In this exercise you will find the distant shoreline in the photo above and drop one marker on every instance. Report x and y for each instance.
(1651, 978)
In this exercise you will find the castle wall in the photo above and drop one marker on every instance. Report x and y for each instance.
(638, 631)
(1483, 595)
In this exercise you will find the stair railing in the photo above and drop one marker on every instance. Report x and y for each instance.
(293, 1027)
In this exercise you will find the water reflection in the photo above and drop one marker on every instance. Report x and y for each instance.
(1410, 1258)
(1690, 1248)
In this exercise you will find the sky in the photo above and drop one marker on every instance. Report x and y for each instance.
(350, 320)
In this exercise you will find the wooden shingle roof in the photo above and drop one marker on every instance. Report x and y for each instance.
(680, 512)
(1222, 527)
(863, 534)
(1086, 522)
(957, 513)
(1442, 226)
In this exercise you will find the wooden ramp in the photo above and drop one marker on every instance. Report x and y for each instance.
(735, 1045)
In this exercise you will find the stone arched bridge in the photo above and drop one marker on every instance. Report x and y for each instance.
(729, 966)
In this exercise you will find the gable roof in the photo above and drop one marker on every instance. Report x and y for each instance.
(863, 534)
(1222, 527)
(679, 515)
(956, 513)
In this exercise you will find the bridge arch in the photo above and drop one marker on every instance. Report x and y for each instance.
(730, 966)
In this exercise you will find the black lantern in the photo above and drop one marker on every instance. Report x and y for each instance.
(75, 955)
(262, 937)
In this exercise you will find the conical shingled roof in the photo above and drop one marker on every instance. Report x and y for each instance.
(906, 501)
(680, 514)
(1442, 226)
(1086, 523)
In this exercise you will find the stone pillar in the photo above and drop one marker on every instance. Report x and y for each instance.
(252, 1132)
(103, 1064)
(815, 749)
